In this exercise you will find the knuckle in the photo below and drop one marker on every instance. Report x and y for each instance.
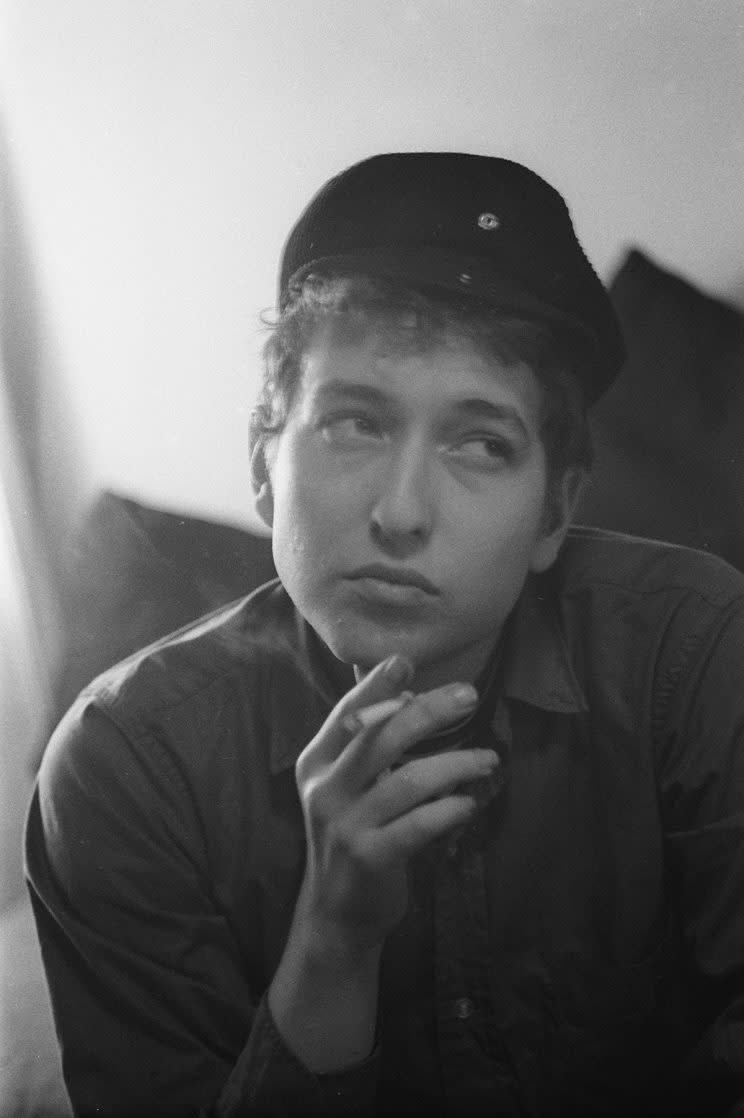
(315, 798)
(301, 770)
(354, 845)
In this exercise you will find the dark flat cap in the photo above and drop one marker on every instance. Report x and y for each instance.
(486, 228)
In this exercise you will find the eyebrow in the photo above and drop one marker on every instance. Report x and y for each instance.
(365, 392)
(472, 407)
(477, 408)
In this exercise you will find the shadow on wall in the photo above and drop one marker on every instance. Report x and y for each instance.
(669, 434)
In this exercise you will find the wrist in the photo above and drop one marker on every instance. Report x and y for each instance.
(328, 945)
(324, 995)
(328, 942)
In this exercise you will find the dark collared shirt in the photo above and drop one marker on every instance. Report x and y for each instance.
(578, 950)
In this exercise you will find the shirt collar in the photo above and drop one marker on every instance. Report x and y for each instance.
(303, 689)
(537, 662)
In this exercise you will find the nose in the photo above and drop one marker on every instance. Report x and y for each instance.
(403, 513)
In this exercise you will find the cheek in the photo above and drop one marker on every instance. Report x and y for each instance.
(509, 519)
(491, 568)
(318, 493)
(313, 507)
(310, 517)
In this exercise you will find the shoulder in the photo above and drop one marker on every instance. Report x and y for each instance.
(638, 610)
(643, 618)
(222, 695)
(617, 565)
(237, 648)
(232, 640)
(176, 766)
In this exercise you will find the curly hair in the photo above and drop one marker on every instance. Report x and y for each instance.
(416, 320)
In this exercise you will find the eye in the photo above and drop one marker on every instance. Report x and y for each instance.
(350, 430)
(486, 451)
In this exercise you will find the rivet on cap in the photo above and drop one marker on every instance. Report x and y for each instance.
(464, 277)
(488, 221)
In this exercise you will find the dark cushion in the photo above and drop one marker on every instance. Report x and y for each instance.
(669, 434)
(137, 573)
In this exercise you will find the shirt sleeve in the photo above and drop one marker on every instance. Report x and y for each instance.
(700, 734)
(155, 1009)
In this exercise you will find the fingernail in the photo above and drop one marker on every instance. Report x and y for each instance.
(396, 668)
(465, 695)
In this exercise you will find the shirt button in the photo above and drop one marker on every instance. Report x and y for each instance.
(463, 1008)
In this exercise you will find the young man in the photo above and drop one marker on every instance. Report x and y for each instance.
(448, 819)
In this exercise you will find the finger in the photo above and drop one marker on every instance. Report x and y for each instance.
(384, 682)
(373, 751)
(416, 829)
(372, 717)
(417, 782)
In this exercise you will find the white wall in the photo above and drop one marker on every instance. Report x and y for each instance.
(162, 148)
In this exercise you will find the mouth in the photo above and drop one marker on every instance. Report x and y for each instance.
(394, 584)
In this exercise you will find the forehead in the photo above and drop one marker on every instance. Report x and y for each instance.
(427, 369)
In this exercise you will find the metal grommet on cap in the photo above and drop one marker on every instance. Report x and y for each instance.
(488, 221)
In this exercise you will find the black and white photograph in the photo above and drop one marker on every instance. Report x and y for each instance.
(371, 559)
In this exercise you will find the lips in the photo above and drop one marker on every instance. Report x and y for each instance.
(400, 577)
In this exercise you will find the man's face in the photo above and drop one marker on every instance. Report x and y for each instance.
(407, 499)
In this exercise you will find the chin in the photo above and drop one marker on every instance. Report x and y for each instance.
(350, 647)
